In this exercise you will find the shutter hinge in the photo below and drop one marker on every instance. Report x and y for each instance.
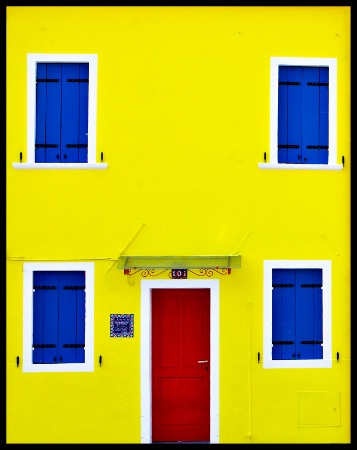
(78, 80)
(77, 145)
(47, 80)
(310, 83)
(73, 345)
(289, 83)
(74, 288)
(288, 146)
(46, 145)
(45, 288)
(44, 345)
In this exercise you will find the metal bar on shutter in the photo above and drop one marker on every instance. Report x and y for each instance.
(316, 84)
(47, 80)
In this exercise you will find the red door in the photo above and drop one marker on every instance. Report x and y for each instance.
(180, 365)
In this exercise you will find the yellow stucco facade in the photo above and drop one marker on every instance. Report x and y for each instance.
(183, 119)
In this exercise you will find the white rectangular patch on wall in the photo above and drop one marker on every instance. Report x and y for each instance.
(319, 409)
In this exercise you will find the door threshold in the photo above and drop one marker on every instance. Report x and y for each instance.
(181, 442)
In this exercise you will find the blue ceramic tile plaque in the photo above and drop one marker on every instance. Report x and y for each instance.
(121, 325)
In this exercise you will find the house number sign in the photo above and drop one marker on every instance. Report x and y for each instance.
(179, 273)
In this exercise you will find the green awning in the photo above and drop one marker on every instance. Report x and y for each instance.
(179, 262)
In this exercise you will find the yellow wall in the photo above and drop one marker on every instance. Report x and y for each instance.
(183, 121)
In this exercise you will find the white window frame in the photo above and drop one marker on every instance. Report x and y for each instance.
(32, 60)
(331, 63)
(88, 365)
(326, 362)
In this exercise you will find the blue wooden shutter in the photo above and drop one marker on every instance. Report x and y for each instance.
(283, 115)
(303, 115)
(59, 317)
(62, 112)
(71, 317)
(309, 314)
(297, 314)
(48, 112)
(45, 317)
(74, 137)
(324, 116)
(283, 314)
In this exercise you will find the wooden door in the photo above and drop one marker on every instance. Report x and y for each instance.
(180, 365)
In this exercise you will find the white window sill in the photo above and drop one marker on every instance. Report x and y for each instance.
(79, 367)
(300, 166)
(88, 166)
(298, 364)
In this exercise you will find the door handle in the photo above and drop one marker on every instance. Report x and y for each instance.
(201, 362)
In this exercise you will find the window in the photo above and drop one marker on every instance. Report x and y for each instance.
(61, 112)
(58, 317)
(297, 314)
(303, 114)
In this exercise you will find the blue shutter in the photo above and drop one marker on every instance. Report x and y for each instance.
(324, 117)
(289, 115)
(38, 298)
(59, 317)
(71, 317)
(297, 314)
(48, 112)
(315, 115)
(283, 314)
(53, 113)
(283, 115)
(83, 113)
(70, 109)
(62, 112)
(294, 114)
(41, 92)
(45, 317)
(310, 115)
(309, 314)
(303, 115)
(75, 113)
(81, 316)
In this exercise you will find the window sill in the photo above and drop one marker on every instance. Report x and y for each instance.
(79, 367)
(298, 364)
(67, 166)
(300, 166)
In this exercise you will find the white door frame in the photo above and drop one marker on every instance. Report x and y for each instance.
(145, 351)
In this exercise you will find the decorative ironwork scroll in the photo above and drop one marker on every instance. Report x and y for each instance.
(198, 272)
